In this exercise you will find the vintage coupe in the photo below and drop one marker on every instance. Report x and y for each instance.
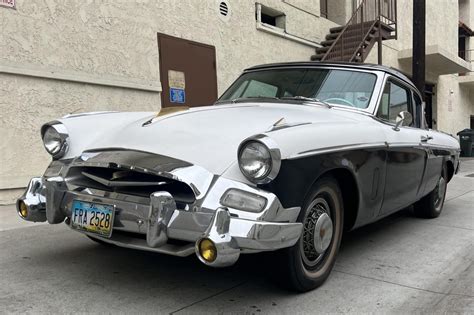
(287, 159)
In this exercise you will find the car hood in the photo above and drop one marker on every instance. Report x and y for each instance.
(206, 136)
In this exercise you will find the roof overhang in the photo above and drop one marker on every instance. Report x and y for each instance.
(438, 61)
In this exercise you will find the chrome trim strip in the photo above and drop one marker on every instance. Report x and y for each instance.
(358, 146)
(120, 183)
(72, 115)
(339, 148)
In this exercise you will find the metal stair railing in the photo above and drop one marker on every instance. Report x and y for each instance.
(369, 14)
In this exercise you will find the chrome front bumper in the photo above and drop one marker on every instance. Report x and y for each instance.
(158, 225)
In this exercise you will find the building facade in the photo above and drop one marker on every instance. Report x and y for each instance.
(59, 57)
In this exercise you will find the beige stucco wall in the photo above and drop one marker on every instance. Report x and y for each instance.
(455, 104)
(118, 39)
(466, 12)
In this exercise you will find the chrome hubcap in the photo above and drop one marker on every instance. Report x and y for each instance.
(322, 233)
(317, 232)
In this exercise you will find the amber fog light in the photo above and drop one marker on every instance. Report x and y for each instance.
(207, 250)
(23, 209)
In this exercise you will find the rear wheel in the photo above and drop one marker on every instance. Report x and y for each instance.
(432, 204)
(309, 262)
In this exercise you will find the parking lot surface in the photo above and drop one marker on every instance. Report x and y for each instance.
(400, 264)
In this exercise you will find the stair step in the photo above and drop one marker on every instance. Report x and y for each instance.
(345, 56)
(322, 49)
(336, 29)
(327, 42)
(346, 59)
(330, 37)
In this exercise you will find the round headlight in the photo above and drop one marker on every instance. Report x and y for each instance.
(55, 139)
(259, 159)
(255, 160)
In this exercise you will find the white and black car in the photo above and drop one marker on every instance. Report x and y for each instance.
(287, 159)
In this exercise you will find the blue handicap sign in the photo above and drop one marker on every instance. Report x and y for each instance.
(177, 96)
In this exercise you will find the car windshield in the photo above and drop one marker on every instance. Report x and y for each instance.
(335, 87)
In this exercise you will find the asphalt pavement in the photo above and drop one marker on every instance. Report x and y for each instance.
(401, 264)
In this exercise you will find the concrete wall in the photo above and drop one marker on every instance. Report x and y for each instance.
(117, 40)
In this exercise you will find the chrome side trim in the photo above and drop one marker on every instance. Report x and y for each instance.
(72, 115)
(377, 145)
(339, 148)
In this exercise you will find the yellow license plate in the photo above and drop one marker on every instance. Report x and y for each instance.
(92, 217)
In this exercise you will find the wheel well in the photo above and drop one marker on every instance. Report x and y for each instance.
(350, 194)
(450, 169)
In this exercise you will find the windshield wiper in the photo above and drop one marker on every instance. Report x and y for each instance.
(304, 98)
(235, 100)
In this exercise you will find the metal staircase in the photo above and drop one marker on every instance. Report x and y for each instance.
(372, 22)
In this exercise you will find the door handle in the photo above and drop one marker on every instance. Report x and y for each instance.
(426, 138)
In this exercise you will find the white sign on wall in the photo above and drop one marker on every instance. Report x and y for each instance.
(7, 3)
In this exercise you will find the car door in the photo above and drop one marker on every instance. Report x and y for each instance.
(434, 154)
(405, 157)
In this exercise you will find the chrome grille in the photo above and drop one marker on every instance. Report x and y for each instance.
(128, 181)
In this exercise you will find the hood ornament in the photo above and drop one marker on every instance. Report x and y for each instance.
(282, 124)
(164, 112)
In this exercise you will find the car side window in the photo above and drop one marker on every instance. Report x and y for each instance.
(395, 99)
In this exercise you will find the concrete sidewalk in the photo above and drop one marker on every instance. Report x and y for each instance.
(401, 264)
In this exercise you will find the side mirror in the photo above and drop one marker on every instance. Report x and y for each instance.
(404, 118)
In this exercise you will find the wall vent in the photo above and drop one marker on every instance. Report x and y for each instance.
(224, 11)
(223, 8)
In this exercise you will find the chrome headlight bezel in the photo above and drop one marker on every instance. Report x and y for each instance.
(275, 158)
(62, 138)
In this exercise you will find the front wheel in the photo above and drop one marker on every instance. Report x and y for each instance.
(309, 262)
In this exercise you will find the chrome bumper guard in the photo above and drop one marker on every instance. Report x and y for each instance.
(160, 221)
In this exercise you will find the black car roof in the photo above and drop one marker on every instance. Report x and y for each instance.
(366, 66)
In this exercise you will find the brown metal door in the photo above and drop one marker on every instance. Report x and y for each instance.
(187, 71)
